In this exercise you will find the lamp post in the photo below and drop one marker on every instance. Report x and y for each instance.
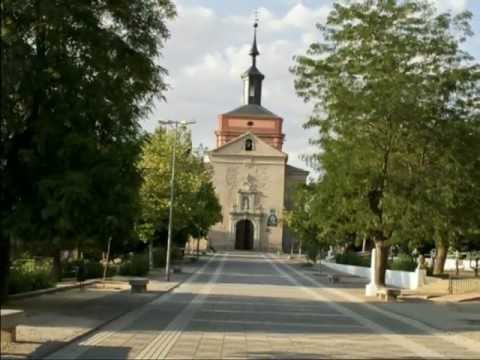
(172, 190)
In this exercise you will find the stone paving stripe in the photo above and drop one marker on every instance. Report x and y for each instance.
(161, 345)
(77, 349)
(407, 344)
(258, 304)
(275, 323)
(296, 313)
(455, 339)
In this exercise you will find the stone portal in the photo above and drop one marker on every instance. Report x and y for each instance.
(244, 235)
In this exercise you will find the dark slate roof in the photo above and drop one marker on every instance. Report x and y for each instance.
(253, 110)
(253, 71)
(294, 170)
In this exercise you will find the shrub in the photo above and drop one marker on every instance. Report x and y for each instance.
(92, 270)
(28, 275)
(160, 256)
(403, 262)
(311, 251)
(87, 269)
(351, 258)
(69, 269)
(178, 253)
(137, 265)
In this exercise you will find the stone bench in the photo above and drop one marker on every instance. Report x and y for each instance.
(9, 320)
(333, 278)
(138, 285)
(388, 294)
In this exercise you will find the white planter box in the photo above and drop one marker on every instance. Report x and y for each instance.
(402, 279)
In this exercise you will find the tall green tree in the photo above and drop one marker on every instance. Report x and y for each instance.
(76, 78)
(195, 208)
(390, 84)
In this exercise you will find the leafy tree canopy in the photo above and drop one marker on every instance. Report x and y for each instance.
(76, 78)
(396, 103)
(196, 207)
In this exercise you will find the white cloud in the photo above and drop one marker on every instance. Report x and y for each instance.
(450, 5)
(207, 55)
(302, 16)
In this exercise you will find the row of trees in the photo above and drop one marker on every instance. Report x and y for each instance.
(77, 77)
(397, 109)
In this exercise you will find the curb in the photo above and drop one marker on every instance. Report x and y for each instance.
(39, 292)
(56, 348)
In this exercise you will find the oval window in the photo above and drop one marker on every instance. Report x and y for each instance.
(250, 123)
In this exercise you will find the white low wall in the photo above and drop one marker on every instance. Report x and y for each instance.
(402, 279)
(450, 264)
(349, 269)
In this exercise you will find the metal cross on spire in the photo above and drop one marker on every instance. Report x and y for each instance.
(254, 50)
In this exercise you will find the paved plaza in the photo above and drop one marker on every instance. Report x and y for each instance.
(255, 305)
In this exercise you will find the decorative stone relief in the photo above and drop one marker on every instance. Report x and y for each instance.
(232, 177)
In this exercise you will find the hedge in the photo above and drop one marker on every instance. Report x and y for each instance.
(30, 274)
(351, 258)
(87, 269)
(137, 265)
(403, 263)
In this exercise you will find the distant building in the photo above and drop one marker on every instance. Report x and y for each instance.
(250, 172)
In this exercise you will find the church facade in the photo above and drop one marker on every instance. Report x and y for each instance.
(250, 173)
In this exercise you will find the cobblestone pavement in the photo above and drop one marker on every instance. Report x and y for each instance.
(53, 319)
(252, 305)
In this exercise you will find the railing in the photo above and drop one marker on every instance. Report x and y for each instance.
(463, 285)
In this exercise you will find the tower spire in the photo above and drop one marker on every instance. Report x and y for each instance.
(254, 50)
(253, 77)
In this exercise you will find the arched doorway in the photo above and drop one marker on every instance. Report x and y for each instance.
(244, 235)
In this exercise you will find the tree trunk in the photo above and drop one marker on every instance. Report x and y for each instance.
(381, 262)
(57, 266)
(5, 243)
(440, 258)
(105, 265)
(198, 247)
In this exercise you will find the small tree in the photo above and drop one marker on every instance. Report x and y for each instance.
(196, 207)
(300, 220)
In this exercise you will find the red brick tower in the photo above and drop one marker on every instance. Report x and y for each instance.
(251, 116)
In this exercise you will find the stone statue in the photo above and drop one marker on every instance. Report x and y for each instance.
(245, 203)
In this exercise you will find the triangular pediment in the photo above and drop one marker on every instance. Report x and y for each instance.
(237, 147)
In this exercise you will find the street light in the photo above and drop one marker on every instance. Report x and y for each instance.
(172, 190)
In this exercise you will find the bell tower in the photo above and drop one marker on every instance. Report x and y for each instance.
(251, 116)
(252, 78)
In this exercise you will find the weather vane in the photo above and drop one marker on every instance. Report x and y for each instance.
(255, 24)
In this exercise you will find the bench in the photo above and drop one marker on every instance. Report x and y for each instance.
(9, 320)
(333, 278)
(388, 294)
(138, 285)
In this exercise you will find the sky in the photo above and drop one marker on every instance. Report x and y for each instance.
(208, 52)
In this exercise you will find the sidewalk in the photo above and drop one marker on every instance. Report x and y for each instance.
(458, 318)
(53, 320)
